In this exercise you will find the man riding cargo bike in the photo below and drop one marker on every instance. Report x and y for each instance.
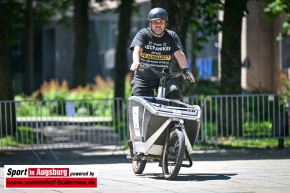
(162, 128)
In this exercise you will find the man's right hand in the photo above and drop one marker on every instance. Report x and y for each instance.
(136, 58)
(134, 66)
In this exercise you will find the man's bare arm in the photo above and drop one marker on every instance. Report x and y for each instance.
(136, 57)
(182, 61)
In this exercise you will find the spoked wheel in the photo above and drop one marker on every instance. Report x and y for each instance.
(139, 166)
(172, 158)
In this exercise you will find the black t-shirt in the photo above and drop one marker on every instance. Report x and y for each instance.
(157, 51)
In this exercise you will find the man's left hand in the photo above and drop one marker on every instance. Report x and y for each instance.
(190, 75)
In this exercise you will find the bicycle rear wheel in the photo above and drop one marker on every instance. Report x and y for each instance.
(173, 156)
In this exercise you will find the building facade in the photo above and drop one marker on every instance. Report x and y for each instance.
(261, 52)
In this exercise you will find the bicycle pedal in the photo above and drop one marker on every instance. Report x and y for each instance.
(133, 157)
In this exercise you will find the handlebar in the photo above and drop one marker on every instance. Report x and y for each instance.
(166, 73)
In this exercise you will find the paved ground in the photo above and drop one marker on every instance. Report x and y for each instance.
(212, 171)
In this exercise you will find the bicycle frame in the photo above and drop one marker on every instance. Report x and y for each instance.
(154, 121)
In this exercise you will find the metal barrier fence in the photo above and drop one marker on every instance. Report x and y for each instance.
(245, 117)
(242, 117)
(62, 124)
(81, 123)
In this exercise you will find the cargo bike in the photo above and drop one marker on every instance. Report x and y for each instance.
(162, 130)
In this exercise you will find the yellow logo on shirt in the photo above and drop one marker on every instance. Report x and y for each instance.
(156, 57)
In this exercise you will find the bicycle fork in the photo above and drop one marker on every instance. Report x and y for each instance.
(187, 156)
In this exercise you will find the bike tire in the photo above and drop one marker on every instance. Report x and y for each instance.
(173, 157)
(139, 166)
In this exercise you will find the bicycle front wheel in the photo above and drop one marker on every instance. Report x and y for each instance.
(173, 156)
(139, 166)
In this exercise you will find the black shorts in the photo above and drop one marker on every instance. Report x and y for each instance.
(142, 87)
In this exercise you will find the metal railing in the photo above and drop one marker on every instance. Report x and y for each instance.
(245, 117)
(82, 123)
(61, 124)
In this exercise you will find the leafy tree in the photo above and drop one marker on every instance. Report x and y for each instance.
(279, 8)
(13, 25)
(204, 22)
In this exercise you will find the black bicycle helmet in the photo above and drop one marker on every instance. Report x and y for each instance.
(157, 14)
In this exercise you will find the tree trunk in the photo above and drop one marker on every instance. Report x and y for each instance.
(121, 61)
(81, 29)
(231, 47)
(7, 110)
(29, 49)
(231, 63)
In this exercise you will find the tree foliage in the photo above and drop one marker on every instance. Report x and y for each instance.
(204, 22)
(15, 13)
(279, 8)
(13, 25)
